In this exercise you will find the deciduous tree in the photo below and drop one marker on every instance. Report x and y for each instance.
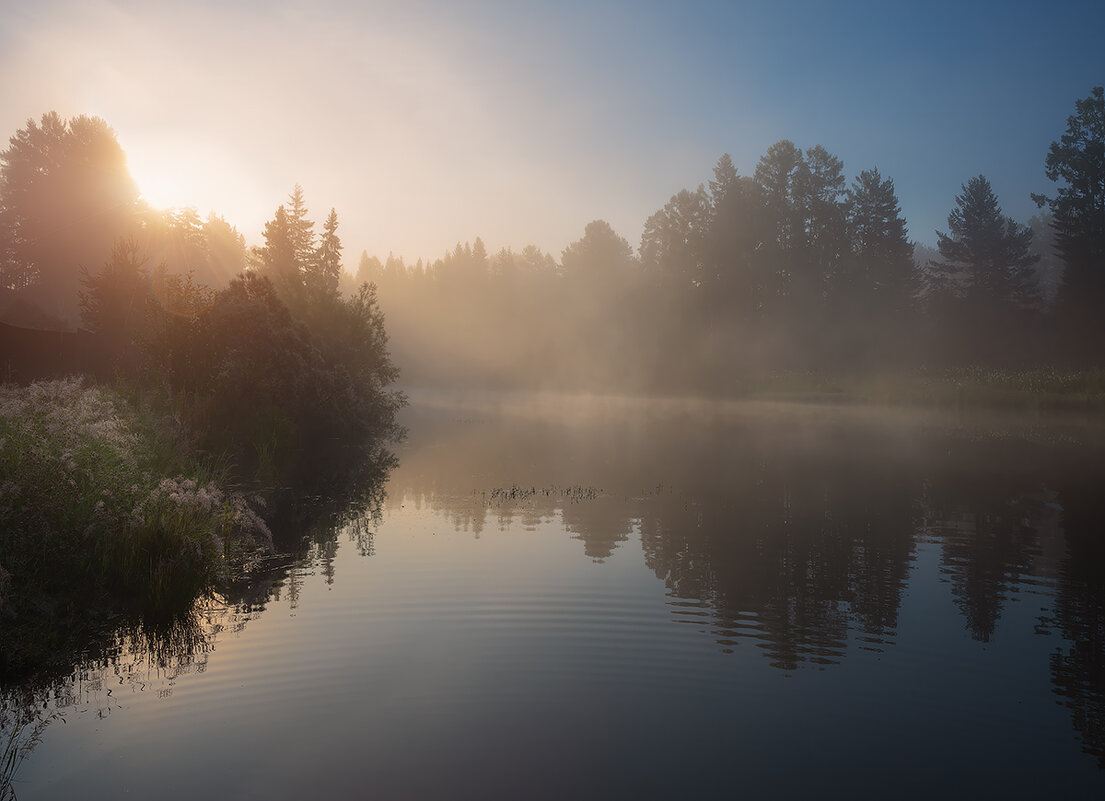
(66, 196)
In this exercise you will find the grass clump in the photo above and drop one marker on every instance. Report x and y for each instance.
(87, 510)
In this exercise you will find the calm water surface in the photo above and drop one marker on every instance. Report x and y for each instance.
(616, 599)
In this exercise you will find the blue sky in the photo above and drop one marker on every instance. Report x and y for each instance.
(429, 123)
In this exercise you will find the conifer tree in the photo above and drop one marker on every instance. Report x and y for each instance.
(986, 259)
(327, 272)
(881, 270)
(300, 229)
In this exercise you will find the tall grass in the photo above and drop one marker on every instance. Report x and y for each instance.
(83, 500)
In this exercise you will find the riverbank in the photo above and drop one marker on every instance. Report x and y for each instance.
(104, 508)
(1042, 389)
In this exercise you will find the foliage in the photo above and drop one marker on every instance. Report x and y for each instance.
(323, 279)
(984, 286)
(81, 503)
(211, 250)
(115, 301)
(674, 240)
(65, 197)
(600, 251)
(1077, 162)
(985, 256)
(881, 269)
(291, 400)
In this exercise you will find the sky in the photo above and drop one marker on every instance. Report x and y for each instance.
(432, 122)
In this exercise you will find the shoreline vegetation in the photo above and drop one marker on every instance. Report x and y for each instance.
(101, 511)
(110, 511)
(230, 422)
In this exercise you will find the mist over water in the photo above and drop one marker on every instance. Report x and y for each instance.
(625, 597)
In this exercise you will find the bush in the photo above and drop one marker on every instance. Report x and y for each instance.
(81, 505)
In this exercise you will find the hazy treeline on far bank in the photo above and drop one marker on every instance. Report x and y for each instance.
(792, 268)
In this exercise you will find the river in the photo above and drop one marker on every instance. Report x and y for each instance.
(617, 598)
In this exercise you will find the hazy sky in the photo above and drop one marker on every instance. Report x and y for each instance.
(431, 122)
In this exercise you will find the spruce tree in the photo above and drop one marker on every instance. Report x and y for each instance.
(986, 257)
(881, 270)
(327, 273)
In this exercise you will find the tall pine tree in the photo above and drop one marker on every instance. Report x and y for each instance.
(984, 281)
(1077, 163)
(326, 273)
(985, 258)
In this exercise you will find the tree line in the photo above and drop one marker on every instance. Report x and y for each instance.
(791, 267)
(257, 354)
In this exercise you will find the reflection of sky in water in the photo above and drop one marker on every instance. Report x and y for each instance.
(615, 626)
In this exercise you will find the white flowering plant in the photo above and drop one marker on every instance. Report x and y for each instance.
(80, 495)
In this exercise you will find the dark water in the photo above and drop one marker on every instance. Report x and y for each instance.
(625, 600)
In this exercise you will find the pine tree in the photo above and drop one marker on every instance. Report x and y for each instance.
(986, 259)
(725, 176)
(300, 230)
(881, 270)
(278, 257)
(326, 274)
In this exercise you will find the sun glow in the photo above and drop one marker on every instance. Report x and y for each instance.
(179, 174)
(164, 182)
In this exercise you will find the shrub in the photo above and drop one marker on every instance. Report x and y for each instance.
(80, 505)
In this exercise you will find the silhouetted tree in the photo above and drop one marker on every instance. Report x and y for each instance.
(822, 188)
(802, 243)
(226, 250)
(534, 261)
(369, 269)
(326, 272)
(735, 241)
(300, 229)
(480, 263)
(985, 254)
(725, 176)
(1078, 208)
(115, 302)
(1050, 267)
(985, 272)
(600, 251)
(177, 346)
(65, 197)
(881, 275)
(777, 175)
(674, 240)
(278, 257)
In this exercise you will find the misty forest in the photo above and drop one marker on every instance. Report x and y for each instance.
(766, 419)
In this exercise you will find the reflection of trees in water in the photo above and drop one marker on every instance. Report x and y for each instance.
(149, 655)
(137, 657)
(792, 556)
(987, 552)
(997, 525)
(1078, 666)
(601, 525)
